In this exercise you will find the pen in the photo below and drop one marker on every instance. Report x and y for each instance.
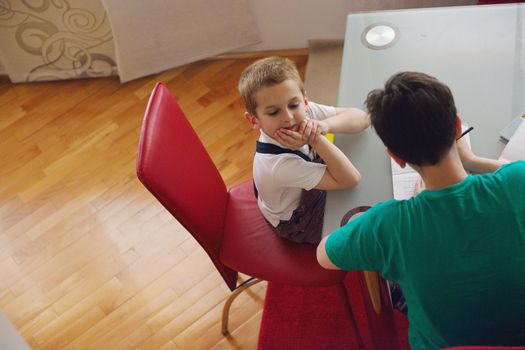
(465, 132)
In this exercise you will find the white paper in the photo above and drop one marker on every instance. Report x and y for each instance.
(404, 180)
(515, 148)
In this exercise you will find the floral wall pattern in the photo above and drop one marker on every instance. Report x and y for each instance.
(55, 39)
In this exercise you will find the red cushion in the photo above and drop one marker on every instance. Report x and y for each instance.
(250, 246)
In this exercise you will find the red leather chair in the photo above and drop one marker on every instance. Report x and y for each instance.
(379, 311)
(480, 347)
(175, 167)
(378, 305)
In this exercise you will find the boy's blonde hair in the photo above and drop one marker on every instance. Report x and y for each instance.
(266, 72)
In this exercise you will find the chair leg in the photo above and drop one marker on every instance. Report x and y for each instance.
(381, 326)
(348, 309)
(227, 304)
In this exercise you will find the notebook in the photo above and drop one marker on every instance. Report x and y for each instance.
(515, 148)
(403, 180)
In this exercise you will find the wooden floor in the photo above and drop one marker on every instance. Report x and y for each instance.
(88, 258)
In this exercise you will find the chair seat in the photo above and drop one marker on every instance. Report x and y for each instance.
(251, 246)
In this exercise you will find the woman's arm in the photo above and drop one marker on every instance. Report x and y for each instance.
(474, 163)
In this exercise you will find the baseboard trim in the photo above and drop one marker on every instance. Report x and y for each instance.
(260, 54)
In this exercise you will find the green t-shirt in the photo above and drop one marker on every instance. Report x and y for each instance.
(458, 254)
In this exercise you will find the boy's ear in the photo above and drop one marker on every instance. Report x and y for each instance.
(253, 120)
(396, 159)
(458, 126)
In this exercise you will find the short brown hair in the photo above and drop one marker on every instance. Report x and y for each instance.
(415, 117)
(266, 72)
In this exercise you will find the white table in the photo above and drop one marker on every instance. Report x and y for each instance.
(476, 50)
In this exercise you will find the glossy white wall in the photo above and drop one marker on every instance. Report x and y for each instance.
(290, 24)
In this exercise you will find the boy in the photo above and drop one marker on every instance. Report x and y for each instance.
(457, 249)
(288, 179)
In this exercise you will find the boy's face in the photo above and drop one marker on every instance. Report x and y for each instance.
(279, 106)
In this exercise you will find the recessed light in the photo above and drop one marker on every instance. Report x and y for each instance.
(379, 36)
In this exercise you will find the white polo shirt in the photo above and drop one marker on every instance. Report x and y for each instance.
(280, 178)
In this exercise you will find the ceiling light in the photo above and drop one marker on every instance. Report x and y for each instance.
(379, 36)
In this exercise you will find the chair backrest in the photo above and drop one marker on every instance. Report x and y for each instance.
(175, 167)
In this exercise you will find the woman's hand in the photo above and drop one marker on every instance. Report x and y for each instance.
(465, 153)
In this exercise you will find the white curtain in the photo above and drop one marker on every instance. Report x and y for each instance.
(152, 36)
(67, 39)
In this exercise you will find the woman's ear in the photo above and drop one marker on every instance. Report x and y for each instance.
(458, 126)
(253, 120)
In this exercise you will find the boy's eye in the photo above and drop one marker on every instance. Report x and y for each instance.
(272, 112)
(294, 105)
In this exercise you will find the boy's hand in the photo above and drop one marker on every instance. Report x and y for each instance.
(307, 132)
(290, 139)
(311, 128)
